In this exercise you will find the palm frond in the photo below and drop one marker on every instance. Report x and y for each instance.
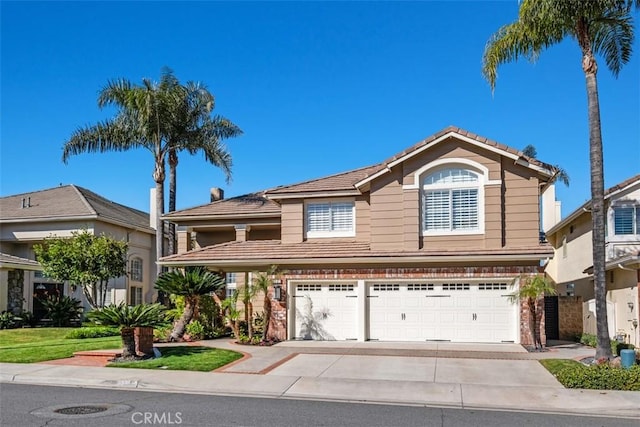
(190, 282)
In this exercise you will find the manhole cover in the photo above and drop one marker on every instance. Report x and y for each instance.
(84, 410)
(81, 410)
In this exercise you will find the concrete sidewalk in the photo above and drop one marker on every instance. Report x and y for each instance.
(340, 372)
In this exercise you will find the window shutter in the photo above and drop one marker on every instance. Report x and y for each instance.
(465, 209)
(623, 218)
(319, 217)
(342, 217)
(436, 210)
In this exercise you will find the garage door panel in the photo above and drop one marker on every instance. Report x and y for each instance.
(454, 312)
(325, 312)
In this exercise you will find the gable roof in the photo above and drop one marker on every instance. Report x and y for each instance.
(348, 183)
(584, 208)
(464, 135)
(69, 202)
(10, 261)
(253, 204)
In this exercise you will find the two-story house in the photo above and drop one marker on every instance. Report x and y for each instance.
(571, 266)
(423, 246)
(29, 218)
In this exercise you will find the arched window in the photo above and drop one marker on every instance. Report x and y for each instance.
(135, 271)
(451, 202)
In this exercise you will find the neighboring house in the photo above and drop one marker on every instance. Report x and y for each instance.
(571, 266)
(27, 219)
(424, 246)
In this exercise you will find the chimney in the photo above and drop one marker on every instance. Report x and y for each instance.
(241, 232)
(152, 208)
(217, 193)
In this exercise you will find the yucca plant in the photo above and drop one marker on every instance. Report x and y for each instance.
(127, 318)
(190, 283)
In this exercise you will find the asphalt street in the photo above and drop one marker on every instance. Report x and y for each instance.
(31, 405)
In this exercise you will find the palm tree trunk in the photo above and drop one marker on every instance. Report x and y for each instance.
(181, 325)
(603, 349)
(158, 177)
(173, 167)
(128, 342)
(267, 315)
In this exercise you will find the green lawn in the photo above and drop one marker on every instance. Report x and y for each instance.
(185, 358)
(29, 345)
(556, 365)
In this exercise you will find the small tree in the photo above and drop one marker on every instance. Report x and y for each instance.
(231, 313)
(531, 289)
(190, 283)
(127, 318)
(84, 260)
(262, 283)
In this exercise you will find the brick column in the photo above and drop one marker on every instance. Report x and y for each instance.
(144, 340)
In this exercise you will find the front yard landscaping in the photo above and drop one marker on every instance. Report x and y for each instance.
(185, 358)
(30, 345)
(573, 374)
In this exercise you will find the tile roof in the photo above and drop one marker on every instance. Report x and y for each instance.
(257, 250)
(247, 204)
(7, 261)
(347, 180)
(337, 182)
(68, 202)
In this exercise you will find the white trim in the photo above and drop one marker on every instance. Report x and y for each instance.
(324, 233)
(484, 171)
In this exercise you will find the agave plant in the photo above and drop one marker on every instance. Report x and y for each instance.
(127, 318)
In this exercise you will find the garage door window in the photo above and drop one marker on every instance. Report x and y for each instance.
(420, 287)
(309, 287)
(385, 287)
(340, 288)
(492, 287)
(455, 287)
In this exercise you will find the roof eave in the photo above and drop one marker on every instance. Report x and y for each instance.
(219, 216)
(363, 260)
(314, 194)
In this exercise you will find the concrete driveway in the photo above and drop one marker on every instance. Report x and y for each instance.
(418, 369)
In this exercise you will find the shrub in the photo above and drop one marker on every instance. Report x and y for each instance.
(161, 334)
(29, 319)
(588, 339)
(616, 347)
(63, 310)
(592, 341)
(8, 320)
(600, 377)
(195, 330)
(93, 332)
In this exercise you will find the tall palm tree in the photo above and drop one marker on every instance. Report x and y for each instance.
(193, 129)
(142, 121)
(127, 318)
(601, 27)
(559, 174)
(531, 289)
(190, 283)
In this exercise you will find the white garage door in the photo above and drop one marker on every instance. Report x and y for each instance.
(325, 311)
(462, 312)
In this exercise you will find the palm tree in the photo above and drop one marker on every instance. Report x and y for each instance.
(559, 174)
(262, 282)
(193, 129)
(127, 318)
(531, 289)
(190, 283)
(142, 121)
(603, 27)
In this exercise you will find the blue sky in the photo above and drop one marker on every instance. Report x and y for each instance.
(317, 87)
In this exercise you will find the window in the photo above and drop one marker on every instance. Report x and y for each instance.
(626, 220)
(136, 269)
(135, 295)
(451, 202)
(231, 281)
(330, 219)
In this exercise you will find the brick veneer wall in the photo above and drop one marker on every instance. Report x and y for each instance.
(525, 329)
(569, 317)
(144, 340)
